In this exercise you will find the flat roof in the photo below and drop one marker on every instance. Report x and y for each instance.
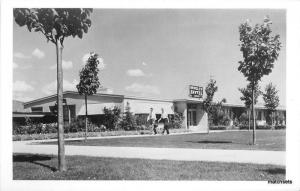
(189, 100)
(71, 92)
(147, 99)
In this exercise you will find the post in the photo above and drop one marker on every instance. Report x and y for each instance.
(86, 114)
(60, 120)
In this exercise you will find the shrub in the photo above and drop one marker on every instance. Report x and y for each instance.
(111, 117)
(28, 121)
(244, 119)
(177, 121)
(141, 119)
(246, 127)
(142, 127)
(39, 128)
(225, 121)
(264, 127)
(218, 127)
(93, 127)
(280, 119)
(17, 128)
(217, 116)
(51, 128)
(128, 120)
(280, 127)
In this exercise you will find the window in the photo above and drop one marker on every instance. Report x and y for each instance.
(191, 117)
(259, 115)
(194, 117)
(69, 112)
(192, 106)
(36, 109)
(53, 109)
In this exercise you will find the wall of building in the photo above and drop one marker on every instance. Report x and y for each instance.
(142, 106)
(260, 113)
(202, 118)
(77, 100)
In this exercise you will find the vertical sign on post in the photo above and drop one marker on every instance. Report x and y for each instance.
(196, 91)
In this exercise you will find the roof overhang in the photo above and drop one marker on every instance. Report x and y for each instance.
(96, 109)
(144, 108)
(66, 93)
(29, 114)
(189, 100)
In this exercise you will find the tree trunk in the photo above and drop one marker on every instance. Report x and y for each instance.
(273, 120)
(86, 114)
(253, 114)
(60, 120)
(249, 119)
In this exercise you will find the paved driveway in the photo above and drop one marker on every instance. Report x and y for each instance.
(183, 154)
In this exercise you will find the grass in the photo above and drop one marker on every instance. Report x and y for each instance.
(240, 140)
(43, 167)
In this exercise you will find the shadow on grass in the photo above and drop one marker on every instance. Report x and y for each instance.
(34, 158)
(55, 142)
(275, 170)
(211, 142)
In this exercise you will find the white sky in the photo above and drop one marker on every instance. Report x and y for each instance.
(152, 53)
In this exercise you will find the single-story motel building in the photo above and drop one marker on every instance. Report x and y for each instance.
(195, 118)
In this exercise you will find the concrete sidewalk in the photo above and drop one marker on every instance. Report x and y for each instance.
(183, 154)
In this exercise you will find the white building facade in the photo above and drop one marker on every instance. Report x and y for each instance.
(195, 118)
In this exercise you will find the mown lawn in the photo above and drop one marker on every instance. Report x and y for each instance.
(266, 140)
(43, 167)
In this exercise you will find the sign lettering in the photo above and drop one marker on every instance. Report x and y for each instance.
(195, 91)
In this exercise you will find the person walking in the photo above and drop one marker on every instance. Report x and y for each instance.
(152, 120)
(164, 118)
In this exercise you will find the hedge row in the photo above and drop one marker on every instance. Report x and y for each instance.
(90, 134)
(73, 127)
(246, 127)
(218, 127)
(242, 127)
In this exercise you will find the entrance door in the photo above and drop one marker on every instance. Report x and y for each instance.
(191, 117)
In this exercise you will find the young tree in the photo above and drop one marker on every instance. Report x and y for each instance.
(247, 97)
(56, 25)
(89, 82)
(260, 50)
(111, 117)
(214, 110)
(128, 120)
(210, 91)
(271, 100)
